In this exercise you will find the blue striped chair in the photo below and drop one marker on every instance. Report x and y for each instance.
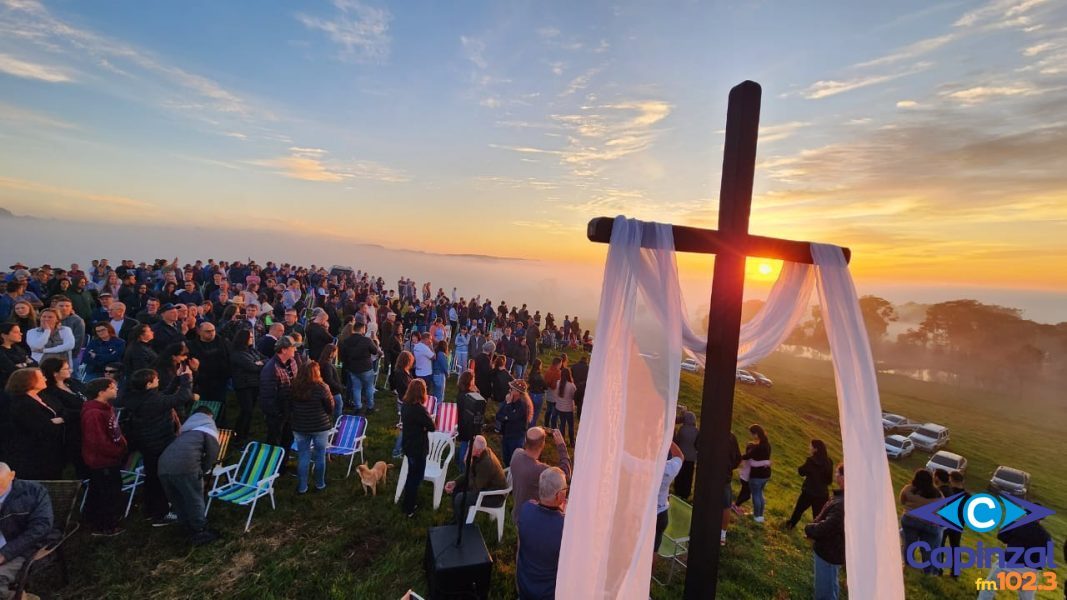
(347, 439)
(132, 477)
(250, 479)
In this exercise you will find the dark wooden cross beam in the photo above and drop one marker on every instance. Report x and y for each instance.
(731, 244)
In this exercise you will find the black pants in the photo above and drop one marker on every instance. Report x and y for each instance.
(416, 471)
(155, 499)
(744, 494)
(246, 399)
(813, 501)
(280, 433)
(953, 539)
(103, 507)
(683, 483)
(661, 526)
(461, 503)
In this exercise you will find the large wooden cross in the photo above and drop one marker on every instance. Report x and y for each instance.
(731, 244)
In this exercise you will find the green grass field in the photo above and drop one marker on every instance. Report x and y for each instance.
(342, 544)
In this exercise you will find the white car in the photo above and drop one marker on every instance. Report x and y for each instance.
(949, 461)
(890, 421)
(1010, 481)
(744, 376)
(898, 446)
(690, 365)
(762, 379)
(930, 437)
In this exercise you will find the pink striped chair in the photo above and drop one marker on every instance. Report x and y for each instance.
(447, 418)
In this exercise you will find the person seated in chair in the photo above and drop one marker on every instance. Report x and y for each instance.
(486, 476)
(25, 526)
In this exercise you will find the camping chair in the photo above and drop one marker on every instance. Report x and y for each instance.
(675, 543)
(430, 404)
(437, 461)
(250, 479)
(64, 496)
(224, 444)
(132, 477)
(497, 512)
(447, 420)
(347, 439)
(212, 405)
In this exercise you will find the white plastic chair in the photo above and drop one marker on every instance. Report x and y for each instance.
(497, 512)
(437, 460)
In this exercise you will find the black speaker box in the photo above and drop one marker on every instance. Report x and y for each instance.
(457, 572)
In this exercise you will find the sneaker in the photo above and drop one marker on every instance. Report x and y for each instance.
(205, 537)
(759, 519)
(167, 519)
(108, 532)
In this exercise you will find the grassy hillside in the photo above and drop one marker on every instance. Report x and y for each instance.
(342, 544)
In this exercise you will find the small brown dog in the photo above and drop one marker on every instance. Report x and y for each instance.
(370, 477)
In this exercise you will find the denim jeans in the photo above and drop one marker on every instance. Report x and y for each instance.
(338, 406)
(550, 415)
(826, 585)
(566, 424)
(916, 530)
(311, 447)
(461, 361)
(519, 370)
(462, 456)
(537, 400)
(438, 386)
(996, 568)
(510, 446)
(362, 386)
(186, 495)
(758, 501)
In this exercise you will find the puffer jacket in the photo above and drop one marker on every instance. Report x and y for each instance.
(153, 418)
(828, 530)
(195, 449)
(26, 520)
(312, 412)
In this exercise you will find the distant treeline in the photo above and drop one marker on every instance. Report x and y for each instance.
(984, 344)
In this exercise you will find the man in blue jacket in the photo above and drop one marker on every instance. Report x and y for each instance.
(25, 525)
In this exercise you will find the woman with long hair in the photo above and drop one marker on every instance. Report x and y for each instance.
(565, 403)
(758, 453)
(920, 492)
(35, 448)
(399, 380)
(500, 379)
(471, 408)
(246, 363)
(417, 425)
(313, 407)
(170, 360)
(537, 386)
(818, 474)
(52, 338)
(67, 395)
(139, 353)
(25, 316)
(328, 367)
(440, 369)
(13, 356)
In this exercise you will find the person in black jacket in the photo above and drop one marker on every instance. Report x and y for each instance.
(151, 419)
(275, 392)
(139, 353)
(758, 453)
(817, 472)
(399, 379)
(317, 333)
(246, 364)
(500, 380)
(514, 419)
(357, 355)
(417, 425)
(828, 534)
(25, 524)
(312, 409)
(66, 394)
(483, 368)
(213, 372)
(327, 360)
(35, 447)
(168, 330)
(471, 406)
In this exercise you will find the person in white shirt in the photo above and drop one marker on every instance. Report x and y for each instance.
(670, 471)
(51, 338)
(424, 356)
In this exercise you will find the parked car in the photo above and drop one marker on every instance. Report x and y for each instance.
(930, 437)
(898, 446)
(892, 423)
(949, 461)
(1010, 481)
(762, 379)
(690, 365)
(744, 376)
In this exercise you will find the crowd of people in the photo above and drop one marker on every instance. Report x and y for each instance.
(96, 365)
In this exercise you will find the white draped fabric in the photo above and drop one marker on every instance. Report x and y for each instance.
(632, 394)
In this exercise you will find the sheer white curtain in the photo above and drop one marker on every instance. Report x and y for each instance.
(632, 393)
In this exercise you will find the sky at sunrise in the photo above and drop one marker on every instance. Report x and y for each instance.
(930, 137)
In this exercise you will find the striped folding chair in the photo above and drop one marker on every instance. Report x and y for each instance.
(347, 439)
(212, 405)
(224, 444)
(132, 477)
(250, 479)
(447, 420)
(430, 405)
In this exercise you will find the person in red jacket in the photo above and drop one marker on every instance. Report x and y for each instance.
(104, 452)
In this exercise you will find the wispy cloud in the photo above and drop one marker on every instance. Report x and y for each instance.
(780, 131)
(832, 87)
(907, 104)
(997, 11)
(911, 51)
(30, 70)
(580, 82)
(27, 117)
(474, 50)
(982, 93)
(312, 164)
(362, 31)
(24, 185)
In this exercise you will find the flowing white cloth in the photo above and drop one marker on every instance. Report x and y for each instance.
(632, 392)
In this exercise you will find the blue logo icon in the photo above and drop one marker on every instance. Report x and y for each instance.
(981, 512)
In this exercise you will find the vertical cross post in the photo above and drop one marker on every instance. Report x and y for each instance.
(724, 323)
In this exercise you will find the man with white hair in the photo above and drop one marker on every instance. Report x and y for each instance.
(486, 476)
(540, 537)
(25, 525)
